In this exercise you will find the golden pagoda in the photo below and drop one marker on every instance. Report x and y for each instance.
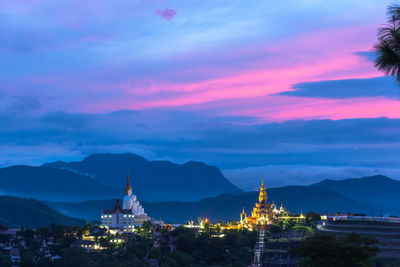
(263, 213)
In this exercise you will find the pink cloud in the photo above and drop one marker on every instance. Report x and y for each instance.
(329, 109)
(249, 90)
(167, 14)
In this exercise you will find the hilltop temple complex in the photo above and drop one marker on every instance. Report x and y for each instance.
(263, 213)
(128, 216)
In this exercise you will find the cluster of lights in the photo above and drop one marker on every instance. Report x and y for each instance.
(95, 246)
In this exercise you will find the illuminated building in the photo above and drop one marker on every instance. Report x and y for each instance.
(126, 218)
(263, 212)
(89, 245)
(118, 218)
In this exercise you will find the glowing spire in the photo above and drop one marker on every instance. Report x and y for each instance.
(128, 187)
(301, 214)
(263, 192)
(242, 216)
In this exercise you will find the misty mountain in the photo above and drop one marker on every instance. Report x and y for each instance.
(22, 212)
(52, 184)
(376, 190)
(228, 206)
(153, 180)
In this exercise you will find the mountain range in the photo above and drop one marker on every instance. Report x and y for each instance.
(101, 176)
(379, 190)
(153, 180)
(179, 192)
(19, 212)
(23, 212)
(225, 207)
(52, 184)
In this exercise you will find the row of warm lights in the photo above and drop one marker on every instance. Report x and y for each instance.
(98, 247)
(129, 215)
(201, 224)
(293, 217)
(218, 235)
(94, 247)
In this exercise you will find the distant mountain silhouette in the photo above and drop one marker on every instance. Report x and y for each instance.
(376, 190)
(153, 180)
(52, 184)
(210, 194)
(228, 206)
(22, 212)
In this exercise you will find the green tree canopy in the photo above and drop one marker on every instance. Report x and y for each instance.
(329, 251)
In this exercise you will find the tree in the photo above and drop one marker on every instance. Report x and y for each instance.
(312, 218)
(75, 256)
(5, 259)
(329, 251)
(388, 47)
(28, 234)
(43, 232)
(276, 228)
(27, 259)
(57, 231)
(145, 229)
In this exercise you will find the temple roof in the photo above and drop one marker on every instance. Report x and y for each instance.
(128, 186)
(112, 211)
(117, 206)
(263, 192)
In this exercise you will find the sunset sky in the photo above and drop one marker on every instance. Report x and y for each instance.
(281, 88)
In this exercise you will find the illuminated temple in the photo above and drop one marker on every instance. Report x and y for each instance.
(127, 217)
(263, 212)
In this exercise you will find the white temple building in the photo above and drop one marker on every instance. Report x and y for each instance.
(126, 218)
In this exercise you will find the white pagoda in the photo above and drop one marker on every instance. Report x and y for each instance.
(126, 218)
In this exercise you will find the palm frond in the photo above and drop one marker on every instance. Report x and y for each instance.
(393, 13)
(388, 47)
(388, 59)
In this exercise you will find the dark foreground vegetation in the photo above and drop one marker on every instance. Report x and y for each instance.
(180, 247)
(329, 251)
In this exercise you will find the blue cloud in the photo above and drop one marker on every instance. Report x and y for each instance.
(25, 103)
(369, 55)
(350, 88)
(228, 142)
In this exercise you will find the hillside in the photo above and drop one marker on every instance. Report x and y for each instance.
(22, 212)
(376, 190)
(228, 206)
(153, 180)
(52, 184)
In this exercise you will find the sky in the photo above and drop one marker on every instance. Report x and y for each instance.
(285, 89)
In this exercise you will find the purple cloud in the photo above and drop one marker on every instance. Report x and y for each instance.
(167, 14)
